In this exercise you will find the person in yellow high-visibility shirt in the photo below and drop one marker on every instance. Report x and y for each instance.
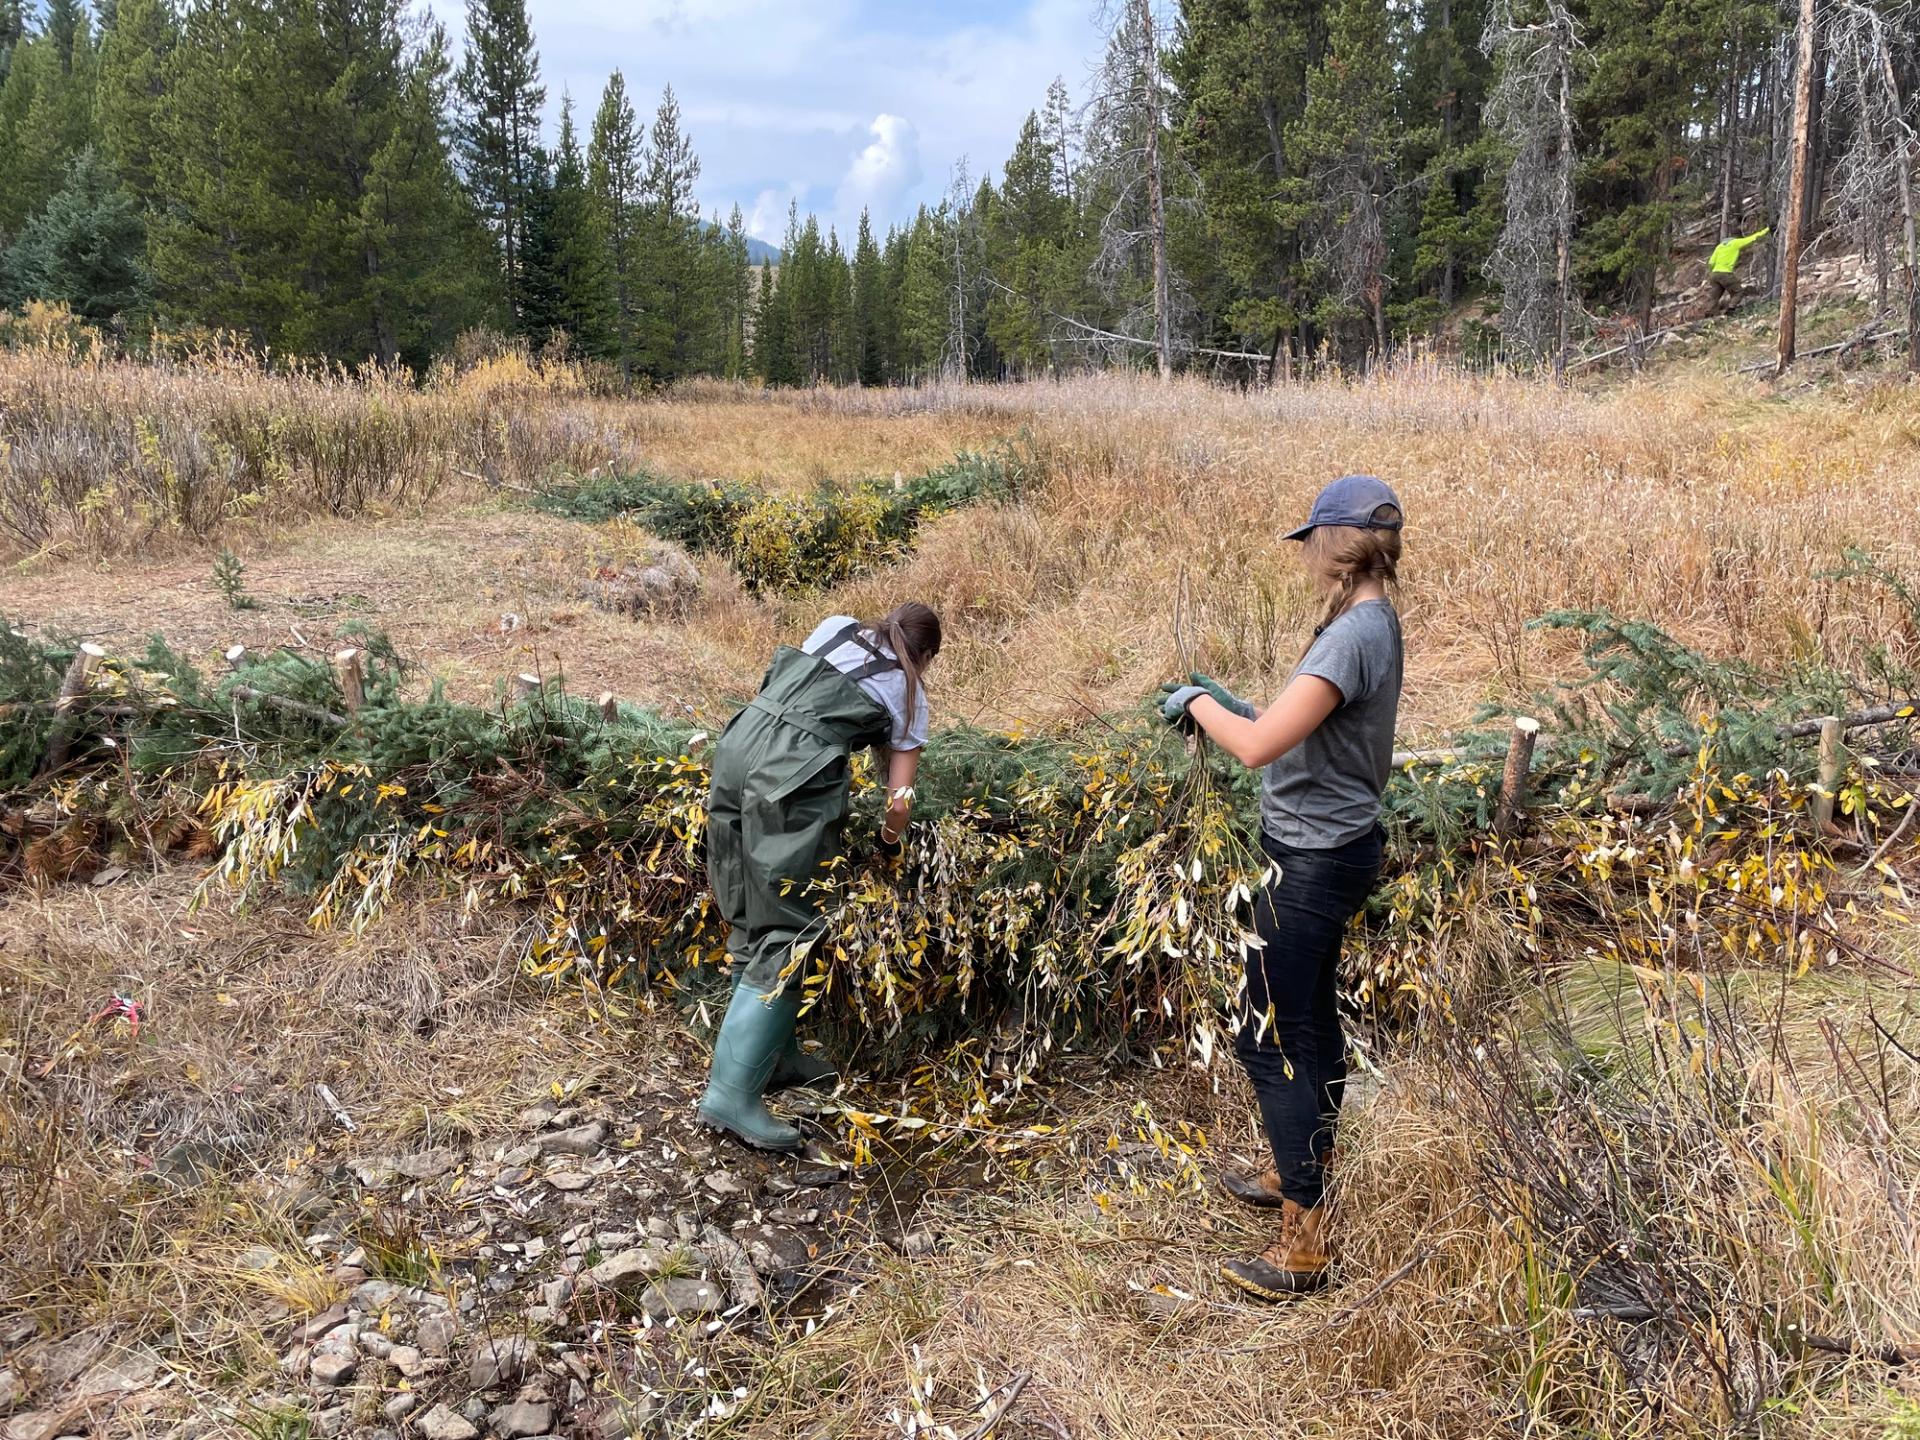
(1722, 284)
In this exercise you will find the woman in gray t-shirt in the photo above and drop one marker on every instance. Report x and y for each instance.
(1326, 746)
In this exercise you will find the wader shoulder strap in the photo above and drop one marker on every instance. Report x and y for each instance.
(797, 717)
(855, 634)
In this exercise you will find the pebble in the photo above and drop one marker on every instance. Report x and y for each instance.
(683, 1296)
(334, 1367)
(320, 1324)
(373, 1296)
(407, 1360)
(428, 1164)
(434, 1335)
(568, 1180)
(725, 1182)
(626, 1271)
(376, 1343)
(556, 1293)
(330, 1422)
(536, 1117)
(499, 1361)
(581, 1140)
(440, 1423)
(522, 1419)
(401, 1406)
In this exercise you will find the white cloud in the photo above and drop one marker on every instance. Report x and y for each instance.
(880, 175)
(813, 100)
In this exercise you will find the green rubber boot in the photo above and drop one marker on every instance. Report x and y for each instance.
(757, 1028)
(795, 1067)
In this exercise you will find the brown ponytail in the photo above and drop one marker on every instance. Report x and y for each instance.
(1348, 554)
(912, 632)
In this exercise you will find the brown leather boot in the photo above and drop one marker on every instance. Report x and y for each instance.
(1262, 1189)
(1295, 1264)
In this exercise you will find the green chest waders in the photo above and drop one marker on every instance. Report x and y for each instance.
(774, 820)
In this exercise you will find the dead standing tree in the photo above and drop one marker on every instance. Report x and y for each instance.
(1797, 186)
(1531, 108)
(1875, 172)
(1126, 119)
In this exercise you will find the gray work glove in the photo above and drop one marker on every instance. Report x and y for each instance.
(1229, 701)
(1173, 709)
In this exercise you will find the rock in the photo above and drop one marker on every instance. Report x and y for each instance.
(330, 1422)
(12, 1390)
(556, 1293)
(514, 1177)
(814, 1175)
(68, 1359)
(372, 1296)
(401, 1406)
(258, 1257)
(130, 1370)
(518, 1156)
(499, 1361)
(664, 586)
(919, 1244)
(33, 1425)
(730, 1257)
(375, 1172)
(434, 1335)
(440, 1423)
(428, 1164)
(522, 1419)
(618, 1419)
(408, 1361)
(190, 1163)
(725, 1182)
(683, 1296)
(320, 1324)
(568, 1179)
(334, 1367)
(376, 1343)
(347, 1277)
(627, 1272)
(534, 1248)
(536, 1117)
(581, 1140)
(659, 1227)
(475, 1410)
(612, 1240)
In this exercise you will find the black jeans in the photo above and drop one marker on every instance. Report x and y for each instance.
(1289, 1037)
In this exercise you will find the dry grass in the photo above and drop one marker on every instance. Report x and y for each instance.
(1710, 506)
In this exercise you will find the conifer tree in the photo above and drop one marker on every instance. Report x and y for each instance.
(135, 55)
(739, 294)
(671, 243)
(614, 170)
(46, 112)
(83, 250)
(576, 252)
(499, 129)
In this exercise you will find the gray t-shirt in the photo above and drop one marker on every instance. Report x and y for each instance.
(889, 687)
(1326, 790)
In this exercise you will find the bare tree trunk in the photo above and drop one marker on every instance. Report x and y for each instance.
(1563, 239)
(1903, 168)
(1156, 198)
(1797, 190)
(1730, 141)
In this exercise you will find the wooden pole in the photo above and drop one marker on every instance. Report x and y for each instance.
(609, 707)
(79, 679)
(525, 685)
(1797, 189)
(350, 669)
(233, 655)
(1832, 728)
(1903, 169)
(1512, 804)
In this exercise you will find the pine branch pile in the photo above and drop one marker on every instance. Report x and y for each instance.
(780, 542)
(1091, 891)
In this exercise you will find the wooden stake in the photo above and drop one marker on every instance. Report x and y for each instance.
(79, 679)
(609, 707)
(1832, 728)
(1512, 805)
(525, 685)
(234, 655)
(1797, 189)
(350, 669)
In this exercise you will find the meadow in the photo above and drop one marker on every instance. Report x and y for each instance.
(1636, 1152)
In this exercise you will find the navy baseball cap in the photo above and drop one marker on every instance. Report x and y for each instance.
(1365, 502)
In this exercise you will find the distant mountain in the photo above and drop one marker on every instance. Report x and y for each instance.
(757, 250)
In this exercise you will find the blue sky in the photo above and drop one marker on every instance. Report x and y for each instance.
(840, 103)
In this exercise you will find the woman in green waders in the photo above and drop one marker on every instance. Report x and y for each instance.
(781, 771)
